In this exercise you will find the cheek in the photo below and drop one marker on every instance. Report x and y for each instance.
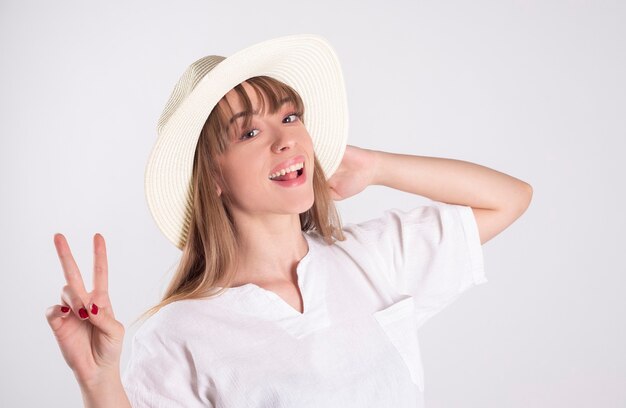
(242, 180)
(236, 177)
(306, 140)
(311, 149)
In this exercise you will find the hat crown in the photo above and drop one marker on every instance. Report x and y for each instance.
(186, 84)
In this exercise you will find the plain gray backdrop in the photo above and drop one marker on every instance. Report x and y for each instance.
(534, 89)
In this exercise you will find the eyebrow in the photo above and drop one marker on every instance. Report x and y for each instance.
(256, 112)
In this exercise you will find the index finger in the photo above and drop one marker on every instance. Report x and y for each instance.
(70, 269)
(100, 265)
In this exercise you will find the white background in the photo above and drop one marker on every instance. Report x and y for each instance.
(534, 89)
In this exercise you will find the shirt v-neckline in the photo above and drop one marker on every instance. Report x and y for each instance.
(300, 271)
(252, 299)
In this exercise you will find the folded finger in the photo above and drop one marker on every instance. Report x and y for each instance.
(55, 315)
(70, 298)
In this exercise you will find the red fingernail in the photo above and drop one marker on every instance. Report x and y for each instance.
(65, 309)
(83, 313)
(94, 309)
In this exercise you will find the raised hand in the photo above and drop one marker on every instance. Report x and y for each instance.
(354, 174)
(84, 325)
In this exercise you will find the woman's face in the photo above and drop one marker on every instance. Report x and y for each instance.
(271, 143)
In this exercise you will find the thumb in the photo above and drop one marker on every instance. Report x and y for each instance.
(104, 320)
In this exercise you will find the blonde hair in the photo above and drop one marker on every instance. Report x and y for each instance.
(211, 245)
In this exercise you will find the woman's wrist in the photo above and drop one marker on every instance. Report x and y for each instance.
(375, 160)
(102, 378)
(105, 391)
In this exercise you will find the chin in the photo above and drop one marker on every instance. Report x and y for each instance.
(304, 205)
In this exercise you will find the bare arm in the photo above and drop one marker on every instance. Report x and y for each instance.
(497, 199)
(109, 393)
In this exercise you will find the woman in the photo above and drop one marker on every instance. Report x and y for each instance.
(274, 303)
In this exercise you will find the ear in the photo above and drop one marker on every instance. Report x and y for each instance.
(218, 190)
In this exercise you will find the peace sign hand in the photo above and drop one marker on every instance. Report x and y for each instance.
(88, 335)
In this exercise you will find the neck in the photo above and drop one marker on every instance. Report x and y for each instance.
(270, 249)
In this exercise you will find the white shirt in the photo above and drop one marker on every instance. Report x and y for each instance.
(355, 345)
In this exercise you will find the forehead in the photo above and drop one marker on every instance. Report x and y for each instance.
(259, 102)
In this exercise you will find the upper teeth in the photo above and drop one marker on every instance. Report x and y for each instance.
(286, 170)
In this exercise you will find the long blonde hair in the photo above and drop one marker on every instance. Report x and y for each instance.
(211, 245)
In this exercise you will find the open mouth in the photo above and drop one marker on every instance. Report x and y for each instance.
(292, 175)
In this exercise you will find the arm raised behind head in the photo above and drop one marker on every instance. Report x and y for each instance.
(497, 199)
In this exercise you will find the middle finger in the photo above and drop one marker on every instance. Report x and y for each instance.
(70, 269)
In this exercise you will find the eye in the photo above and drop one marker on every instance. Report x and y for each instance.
(296, 116)
(291, 118)
(247, 133)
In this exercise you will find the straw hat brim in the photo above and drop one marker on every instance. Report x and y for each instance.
(307, 63)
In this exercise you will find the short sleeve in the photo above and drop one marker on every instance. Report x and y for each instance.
(161, 373)
(432, 253)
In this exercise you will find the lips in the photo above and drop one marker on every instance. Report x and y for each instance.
(287, 163)
(293, 182)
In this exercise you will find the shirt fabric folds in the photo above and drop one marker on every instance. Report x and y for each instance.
(355, 345)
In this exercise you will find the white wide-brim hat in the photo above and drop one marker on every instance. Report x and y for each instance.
(307, 63)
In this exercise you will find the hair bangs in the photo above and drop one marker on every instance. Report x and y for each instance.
(270, 93)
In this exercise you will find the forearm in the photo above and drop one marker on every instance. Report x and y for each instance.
(105, 394)
(450, 181)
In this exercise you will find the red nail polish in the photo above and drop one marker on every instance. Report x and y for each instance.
(65, 309)
(83, 313)
(94, 309)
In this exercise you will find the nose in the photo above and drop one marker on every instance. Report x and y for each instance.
(283, 139)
